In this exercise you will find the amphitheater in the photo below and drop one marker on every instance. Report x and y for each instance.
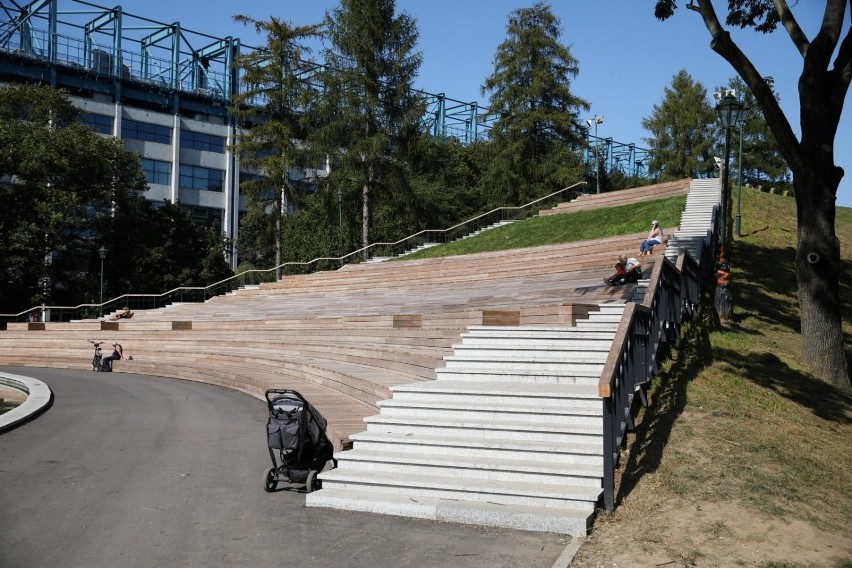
(492, 389)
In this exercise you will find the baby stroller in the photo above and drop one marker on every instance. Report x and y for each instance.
(297, 430)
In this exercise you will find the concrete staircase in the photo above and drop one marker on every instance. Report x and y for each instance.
(508, 435)
(697, 218)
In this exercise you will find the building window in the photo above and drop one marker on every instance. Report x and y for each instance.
(197, 177)
(144, 131)
(100, 123)
(204, 215)
(157, 171)
(201, 141)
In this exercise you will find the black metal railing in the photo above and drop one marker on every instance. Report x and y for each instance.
(256, 277)
(673, 292)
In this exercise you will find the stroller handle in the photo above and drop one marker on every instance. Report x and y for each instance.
(278, 392)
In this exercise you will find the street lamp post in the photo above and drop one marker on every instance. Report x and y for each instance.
(741, 124)
(595, 121)
(729, 110)
(102, 252)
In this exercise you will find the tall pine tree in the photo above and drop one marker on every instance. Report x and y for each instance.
(369, 111)
(682, 131)
(276, 103)
(536, 132)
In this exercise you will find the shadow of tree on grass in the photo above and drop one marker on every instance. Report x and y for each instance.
(695, 353)
(669, 400)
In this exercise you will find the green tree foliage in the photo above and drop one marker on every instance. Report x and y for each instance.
(537, 130)
(823, 88)
(66, 191)
(60, 179)
(153, 250)
(682, 131)
(276, 104)
(762, 160)
(446, 175)
(369, 112)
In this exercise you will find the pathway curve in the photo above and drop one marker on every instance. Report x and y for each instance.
(137, 471)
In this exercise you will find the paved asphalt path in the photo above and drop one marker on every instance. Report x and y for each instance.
(128, 471)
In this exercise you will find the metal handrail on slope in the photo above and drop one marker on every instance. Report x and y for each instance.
(673, 292)
(257, 276)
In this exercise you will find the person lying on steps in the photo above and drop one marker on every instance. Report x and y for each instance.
(627, 270)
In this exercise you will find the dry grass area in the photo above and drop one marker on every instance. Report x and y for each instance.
(743, 458)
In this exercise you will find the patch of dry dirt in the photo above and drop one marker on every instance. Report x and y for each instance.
(677, 533)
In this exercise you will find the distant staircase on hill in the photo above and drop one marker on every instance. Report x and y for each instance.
(621, 197)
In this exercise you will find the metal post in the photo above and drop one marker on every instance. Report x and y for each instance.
(739, 182)
(598, 119)
(102, 252)
(340, 223)
(726, 189)
(597, 166)
(729, 110)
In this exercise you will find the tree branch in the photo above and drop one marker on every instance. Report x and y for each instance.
(823, 44)
(843, 63)
(777, 121)
(800, 40)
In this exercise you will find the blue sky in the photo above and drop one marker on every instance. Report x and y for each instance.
(627, 58)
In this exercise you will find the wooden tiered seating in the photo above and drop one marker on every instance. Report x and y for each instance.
(621, 197)
(344, 338)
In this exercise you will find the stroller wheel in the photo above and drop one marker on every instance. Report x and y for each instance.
(270, 480)
(312, 483)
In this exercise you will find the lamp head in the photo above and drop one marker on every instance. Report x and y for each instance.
(729, 109)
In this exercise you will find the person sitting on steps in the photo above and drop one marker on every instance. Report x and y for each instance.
(117, 353)
(627, 270)
(655, 237)
(123, 314)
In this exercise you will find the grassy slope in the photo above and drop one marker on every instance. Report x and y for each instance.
(736, 418)
(554, 229)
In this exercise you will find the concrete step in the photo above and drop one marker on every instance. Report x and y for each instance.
(533, 362)
(499, 345)
(471, 467)
(493, 427)
(584, 325)
(449, 486)
(539, 519)
(511, 333)
(590, 415)
(481, 447)
(602, 317)
(458, 392)
(545, 343)
(588, 375)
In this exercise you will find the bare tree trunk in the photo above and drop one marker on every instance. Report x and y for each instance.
(818, 275)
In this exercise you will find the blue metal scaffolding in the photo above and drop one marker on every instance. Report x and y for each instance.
(168, 64)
